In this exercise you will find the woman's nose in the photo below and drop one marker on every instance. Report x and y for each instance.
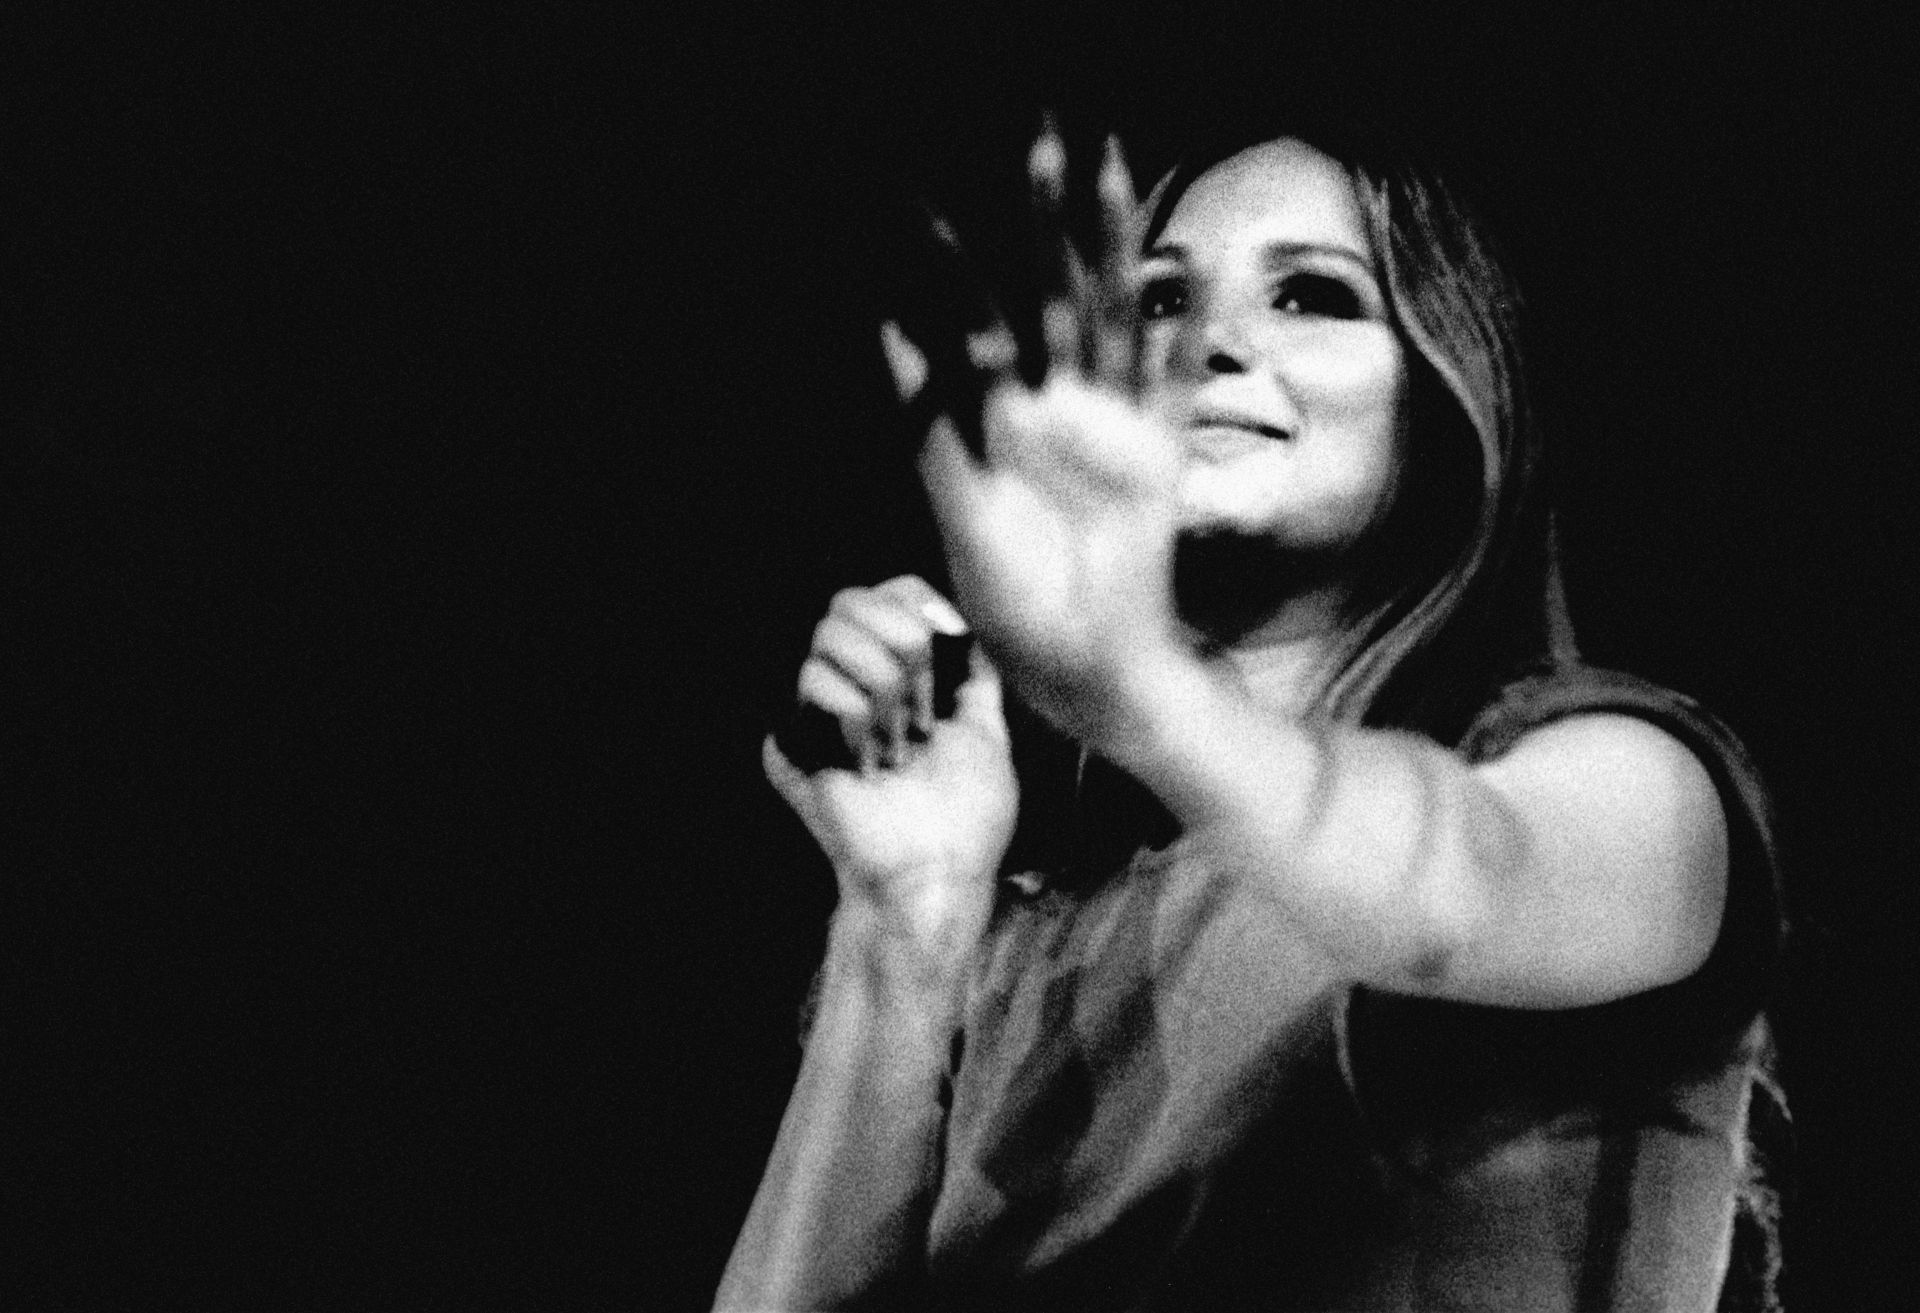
(1219, 348)
(1222, 361)
(1212, 348)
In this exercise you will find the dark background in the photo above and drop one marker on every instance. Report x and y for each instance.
(429, 439)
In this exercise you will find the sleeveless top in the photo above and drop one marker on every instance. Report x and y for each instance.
(1164, 1097)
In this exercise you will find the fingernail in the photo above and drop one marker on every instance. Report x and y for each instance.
(940, 613)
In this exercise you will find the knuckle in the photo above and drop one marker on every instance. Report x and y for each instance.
(807, 685)
(890, 679)
(822, 685)
(826, 632)
(901, 625)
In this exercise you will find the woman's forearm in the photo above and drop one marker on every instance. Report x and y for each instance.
(1382, 846)
(841, 1213)
(1587, 862)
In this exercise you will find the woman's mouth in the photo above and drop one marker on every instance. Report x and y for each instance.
(1225, 423)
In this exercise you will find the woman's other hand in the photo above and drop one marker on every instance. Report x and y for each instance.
(915, 824)
(1059, 532)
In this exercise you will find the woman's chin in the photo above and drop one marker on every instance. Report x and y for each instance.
(1263, 529)
(1203, 516)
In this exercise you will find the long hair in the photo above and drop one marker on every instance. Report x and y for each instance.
(1461, 592)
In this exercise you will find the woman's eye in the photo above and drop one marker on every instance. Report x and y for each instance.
(1318, 294)
(1162, 297)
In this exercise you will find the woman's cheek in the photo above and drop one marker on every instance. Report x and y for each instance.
(1336, 500)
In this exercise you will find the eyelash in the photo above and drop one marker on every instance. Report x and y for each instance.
(1317, 295)
(1157, 295)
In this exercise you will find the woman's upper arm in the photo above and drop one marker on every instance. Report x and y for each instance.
(1609, 876)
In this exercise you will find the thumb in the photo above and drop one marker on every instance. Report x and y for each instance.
(787, 779)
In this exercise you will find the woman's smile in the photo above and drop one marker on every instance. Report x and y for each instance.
(1270, 351)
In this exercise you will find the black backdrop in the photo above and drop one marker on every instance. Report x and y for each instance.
(429, 438)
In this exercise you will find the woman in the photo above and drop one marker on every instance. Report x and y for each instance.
(1399, 961)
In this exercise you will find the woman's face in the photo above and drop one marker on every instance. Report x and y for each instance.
(1269, 351)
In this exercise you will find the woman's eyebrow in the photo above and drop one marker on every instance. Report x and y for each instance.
(1281, 253)
(1276, 253)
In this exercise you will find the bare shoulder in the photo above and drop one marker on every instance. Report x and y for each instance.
(1628, 843)
(1606, 765)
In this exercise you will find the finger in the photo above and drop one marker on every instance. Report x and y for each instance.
(901, 615)
(916, 592)
(925, 397)
(963, 360)
(831, 692)
(994, 354)
(905, 361)
(825, 686)
(1053, 256)
(1118, 336)
(870, 662)
(1065, 321)
(929, 698)
(830, 721)
(895, 612)
(783, 772)
(882, 649)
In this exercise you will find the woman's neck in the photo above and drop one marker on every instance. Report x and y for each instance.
(1287, 661)
(1274, 617)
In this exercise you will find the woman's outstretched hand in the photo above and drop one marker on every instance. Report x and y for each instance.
(916, 822)
(1059, 533)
